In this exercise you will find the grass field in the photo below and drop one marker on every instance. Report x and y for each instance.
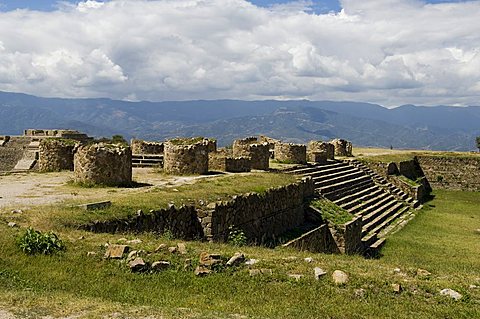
(441, 239)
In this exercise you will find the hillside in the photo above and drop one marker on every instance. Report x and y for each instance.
(435, 128)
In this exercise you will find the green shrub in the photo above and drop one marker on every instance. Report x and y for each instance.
(236, 237)
(35, 242)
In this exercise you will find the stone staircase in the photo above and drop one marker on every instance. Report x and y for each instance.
(363, 194)
(147, 160)
(12, 151)
(30, 157)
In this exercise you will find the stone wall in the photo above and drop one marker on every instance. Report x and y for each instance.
(319, 146)
(12, 152)
(146, 147)
(318, 240)
(317, 157)
(221, 161)
(59, 133)
(291, 153)
(456, 173)
(186, 156)
(258, 153)
(260, 216)
(56, 155)
(104, 164)
(342, 147)
(181, 222)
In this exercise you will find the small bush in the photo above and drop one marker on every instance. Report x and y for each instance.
(35, 242)
(439, 178)
(236, 237)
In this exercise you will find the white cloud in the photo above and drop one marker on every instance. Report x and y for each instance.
(391, 52)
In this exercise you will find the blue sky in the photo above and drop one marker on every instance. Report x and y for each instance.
(320, 6)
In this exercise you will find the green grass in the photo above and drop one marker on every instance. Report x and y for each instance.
(332, 212)
(441, 239)
(409, 155)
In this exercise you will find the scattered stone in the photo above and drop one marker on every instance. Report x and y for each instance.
(290, 258)
(397, 288)
(202, 271)
(160, 247)
(473, 287)
(134, 241)
(236, 259)
(397, 270)
(266, 271)
(17, 211)
(81, 238)
(121, 240)
(187, 264)
(423, 272)
(12, 224)
(160, 265)
(477, 231)
(116, 251)
(451, 293)
(137, 265)
(94, 206)
(172, 249)
(251, 262)
(297, 277)
(319, 272)
(139, 212)
(339, 277)
(132, 255)
(91, 253)
(254, 272)
(182, 249)
(308, 259)
(209, 260)
(360, 293)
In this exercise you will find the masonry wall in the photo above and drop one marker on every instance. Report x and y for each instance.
(221, 161)
(56, 155)
(456, 173)
(185, 158)
(103, 164)
(318, 146)
(342, 147)
(12, 151)
(259, 153)
(291, 153)
(146, 147)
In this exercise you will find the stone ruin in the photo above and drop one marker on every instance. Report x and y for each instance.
(251, 147)
(271, 144)
(58, 133)
(320, 152)
(223, 160)
(342, 147)
(104, 164)
(186, 156)
(146, 147)
(291, 153)
(56, 155)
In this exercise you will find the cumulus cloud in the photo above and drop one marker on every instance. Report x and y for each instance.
(390, 52)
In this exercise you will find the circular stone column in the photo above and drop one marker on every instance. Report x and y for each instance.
(186, 156)
(56, 155)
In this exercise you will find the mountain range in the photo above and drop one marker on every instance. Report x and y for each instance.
(365, 124)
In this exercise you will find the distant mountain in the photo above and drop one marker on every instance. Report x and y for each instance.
(408, 126)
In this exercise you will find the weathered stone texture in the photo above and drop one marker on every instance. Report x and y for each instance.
(458, 173)
(66, 134)
(342, 147)
(319, 146)
(182, 158)
(105, 164)
(317, 157)
(146, 147)
(56, 155)
(259, 153)
(291, 153)
(318, 240)
(220, 161)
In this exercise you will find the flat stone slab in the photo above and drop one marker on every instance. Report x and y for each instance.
(25, 164)
(97, 205)
(116, 251)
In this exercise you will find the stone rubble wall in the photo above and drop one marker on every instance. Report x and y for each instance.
(342, 147)
(260, 216)
(105, 164)
(317, 157)
(319, 146)
(221, 161)
(184, 159)
(291, 153)
(56, 155)
(146, 147)
(259, 153)
(60, 133)
(455, 173)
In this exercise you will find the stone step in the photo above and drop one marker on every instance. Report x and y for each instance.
(326, 175)
(338, 179)
(342, 185)
(316, 168)
(379, 209)
(25, 164)
(347, 198)
(384, 219)
(370, 204)
(374, 249)
(349, 189)
(361, 197)
(368, 240)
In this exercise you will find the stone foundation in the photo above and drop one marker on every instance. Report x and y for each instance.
(318, 146)
(317, 157)
(186, 156)
(291, 153)
(342, 147)
(259, 153)
(221, 161)
(103, 164)
(146, 147)
(56, 155)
